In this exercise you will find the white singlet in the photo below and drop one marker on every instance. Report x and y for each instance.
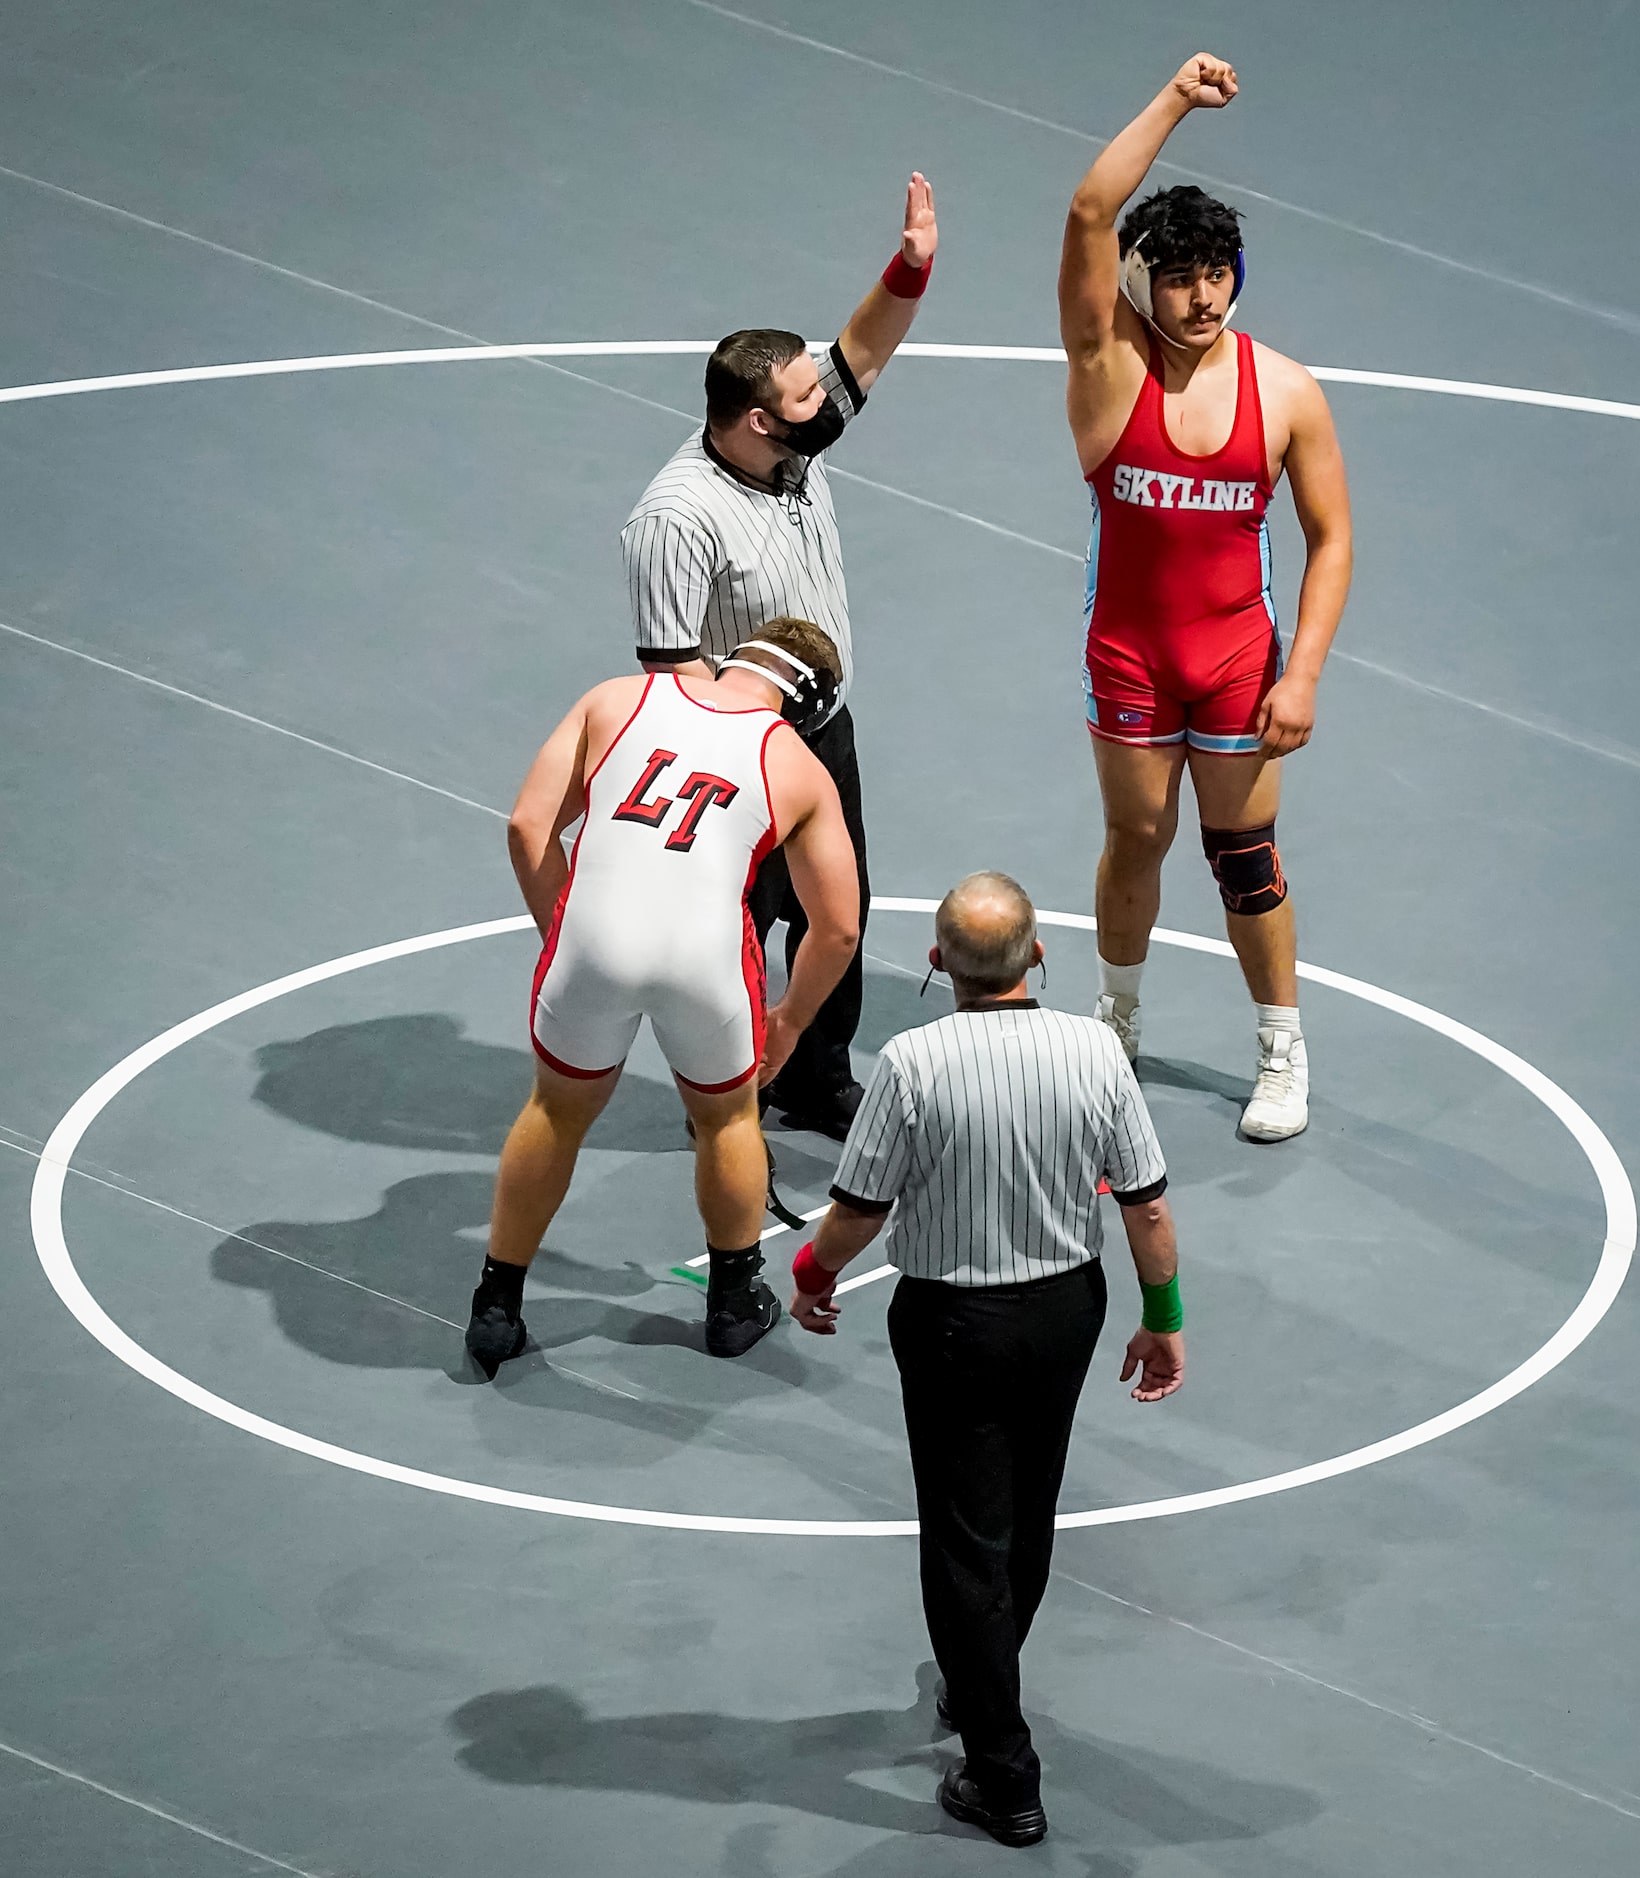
(653, 920)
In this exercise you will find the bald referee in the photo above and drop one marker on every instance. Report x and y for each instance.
(738, 529)
(987, 1134)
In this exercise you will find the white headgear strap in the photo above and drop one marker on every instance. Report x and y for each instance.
(761, 671)
(1136, 290)
(780, 652)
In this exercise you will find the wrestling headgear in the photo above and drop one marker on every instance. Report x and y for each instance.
(810, 694)
(1136, 286)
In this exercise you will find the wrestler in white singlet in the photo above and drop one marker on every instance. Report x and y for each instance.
(653, 921)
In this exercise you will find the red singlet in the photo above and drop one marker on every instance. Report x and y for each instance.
(1182, 641)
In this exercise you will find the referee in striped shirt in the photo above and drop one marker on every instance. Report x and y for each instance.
(738, 529)
(987, 1134)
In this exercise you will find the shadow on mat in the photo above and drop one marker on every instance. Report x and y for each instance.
(404, 1268)
(417, 1082)
(1482, 1200)
(820, 1764)
(392, 1290)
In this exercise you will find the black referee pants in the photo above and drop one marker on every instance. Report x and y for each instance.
(990, 1378)
(820, 1063)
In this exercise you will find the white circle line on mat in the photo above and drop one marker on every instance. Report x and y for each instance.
(699, 348)
(46, 1216)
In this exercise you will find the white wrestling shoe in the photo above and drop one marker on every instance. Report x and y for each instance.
(1122, 1014)
(1281, 1096)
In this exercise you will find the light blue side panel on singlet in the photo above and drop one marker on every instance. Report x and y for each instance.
(1266, 570)
(1087, 600)
(1093, 560)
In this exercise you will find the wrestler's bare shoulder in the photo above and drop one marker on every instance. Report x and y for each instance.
(1282, 380)
(1291, 400)
(615, 698)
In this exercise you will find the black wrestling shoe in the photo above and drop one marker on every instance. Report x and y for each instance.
(963, 1800)
(740, 1308)
(494, 1335)
(827, 1112)
(942, 1710)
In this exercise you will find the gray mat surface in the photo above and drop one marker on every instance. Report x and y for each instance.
(389, 583)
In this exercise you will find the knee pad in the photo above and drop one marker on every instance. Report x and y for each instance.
(1246, 866)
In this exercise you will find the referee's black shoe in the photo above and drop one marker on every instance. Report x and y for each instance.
(494, 1334)
(827, 1112)
(740, 1308)
(963, 1800)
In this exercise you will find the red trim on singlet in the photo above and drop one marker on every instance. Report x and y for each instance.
(752, 710)
(542, 966)
(752, 968)
(1249, 373)
(763, 766)
(643, 698)
(1245, 376)
(568, 1069)
(753, 971)
(1177, 585)
(551, 945)
(1152, 390)
(544, 963)
(723, 1088)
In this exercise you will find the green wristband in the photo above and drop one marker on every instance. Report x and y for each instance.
(1163, 1312)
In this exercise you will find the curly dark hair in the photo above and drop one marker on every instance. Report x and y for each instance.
(1182, 227)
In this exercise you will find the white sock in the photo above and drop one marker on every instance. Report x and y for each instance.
(1279, 1017)
(1120, 981)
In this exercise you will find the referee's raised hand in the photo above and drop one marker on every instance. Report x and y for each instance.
(884, 316)
(922, 235)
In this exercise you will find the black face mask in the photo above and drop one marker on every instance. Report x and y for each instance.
(813, 434)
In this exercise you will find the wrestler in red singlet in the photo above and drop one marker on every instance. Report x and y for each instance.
(1183, 429)
(1182, 640)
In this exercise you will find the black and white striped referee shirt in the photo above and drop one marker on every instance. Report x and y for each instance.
(711, 557)
(988, 1133)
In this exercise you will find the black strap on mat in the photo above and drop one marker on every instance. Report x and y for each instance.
(775, 1204)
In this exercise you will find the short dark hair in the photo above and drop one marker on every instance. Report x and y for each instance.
(1183, 227)
(740, 372)
(800, 637)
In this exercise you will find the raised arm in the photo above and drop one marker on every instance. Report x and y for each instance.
(826, 879)
(1321, 497)
(554, 793)
(884, 316)
(1089, 270)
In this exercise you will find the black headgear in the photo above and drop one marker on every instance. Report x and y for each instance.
(810, 694)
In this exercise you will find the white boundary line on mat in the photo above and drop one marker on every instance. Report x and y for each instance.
(51, 1244)
(651, 348)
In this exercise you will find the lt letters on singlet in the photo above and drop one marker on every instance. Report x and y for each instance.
(702, 791)
(1132, 484)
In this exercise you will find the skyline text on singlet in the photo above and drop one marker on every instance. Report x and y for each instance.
(1133, 484)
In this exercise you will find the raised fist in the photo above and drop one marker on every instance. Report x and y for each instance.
(1206, 83)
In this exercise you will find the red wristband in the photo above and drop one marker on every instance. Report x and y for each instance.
(810, 1276)
(904, 281)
